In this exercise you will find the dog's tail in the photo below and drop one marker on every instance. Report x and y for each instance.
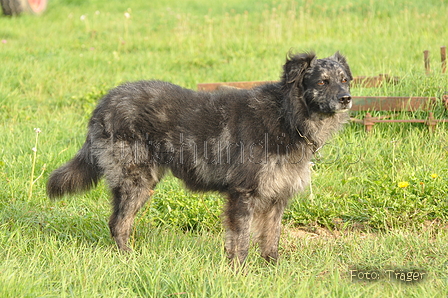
(79, 174)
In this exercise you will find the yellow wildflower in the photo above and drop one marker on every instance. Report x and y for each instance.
(403, 184)
(434, 176)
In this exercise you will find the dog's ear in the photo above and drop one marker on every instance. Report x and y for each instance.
(296, 65)
(341, 60)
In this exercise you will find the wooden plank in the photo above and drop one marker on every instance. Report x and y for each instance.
(360, 81)
(239, 85)
(373, 82)
(392, 103)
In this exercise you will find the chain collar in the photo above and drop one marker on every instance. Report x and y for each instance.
(308, 142)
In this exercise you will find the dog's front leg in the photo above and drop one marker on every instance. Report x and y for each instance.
(267, 228)
(238, 218)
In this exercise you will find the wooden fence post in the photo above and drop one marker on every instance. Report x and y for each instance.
(426, 58)
(443, 58)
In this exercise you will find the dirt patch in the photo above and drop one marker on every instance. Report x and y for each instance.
(356, 229)
(308, 232)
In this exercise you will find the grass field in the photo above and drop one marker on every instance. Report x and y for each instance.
(378, 201)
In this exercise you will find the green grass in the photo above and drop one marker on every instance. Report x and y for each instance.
(171, 263)
(55, 67)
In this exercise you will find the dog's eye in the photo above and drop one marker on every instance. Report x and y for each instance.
(321, 83)
(344, 80)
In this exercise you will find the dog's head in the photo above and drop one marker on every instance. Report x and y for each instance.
(323, 85)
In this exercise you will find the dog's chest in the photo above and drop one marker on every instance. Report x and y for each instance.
(282, 180)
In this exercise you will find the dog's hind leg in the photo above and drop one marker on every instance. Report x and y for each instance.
(130, 192)
(238, 217)
(267, 228)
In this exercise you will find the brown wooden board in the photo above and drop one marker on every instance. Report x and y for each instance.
(392, 103)
(360, 81)
(240, 85)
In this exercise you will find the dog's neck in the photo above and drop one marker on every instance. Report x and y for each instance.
(317, 128)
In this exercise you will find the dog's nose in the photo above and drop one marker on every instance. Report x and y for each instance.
(345, 99)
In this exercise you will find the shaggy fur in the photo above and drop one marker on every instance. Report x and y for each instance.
(254, 146)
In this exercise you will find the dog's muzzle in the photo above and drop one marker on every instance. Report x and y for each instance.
(345, 102)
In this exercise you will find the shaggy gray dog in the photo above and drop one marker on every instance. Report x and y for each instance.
(254, 146)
